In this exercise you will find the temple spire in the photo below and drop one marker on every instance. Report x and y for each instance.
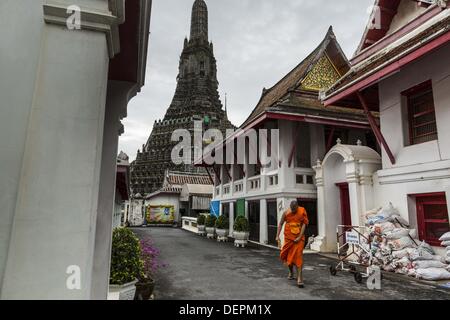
(199, 21)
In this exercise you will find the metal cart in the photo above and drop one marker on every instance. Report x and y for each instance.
(351, 242)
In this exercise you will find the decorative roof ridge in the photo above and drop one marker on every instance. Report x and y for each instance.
(309, 61)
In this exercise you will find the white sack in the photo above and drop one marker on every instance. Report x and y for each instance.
(402, 263)
(372, 212)
(417, 254)
(426, 247)
(446, 244)
(433, 274)
(385, 227)
(412, 273)
(439, 258)
(402, 243)
(426, 264)
(399, 219)
(397, 233)
(388, 211)
(400, 254)
(445, 237)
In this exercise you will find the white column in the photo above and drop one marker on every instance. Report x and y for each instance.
(56, 209)
(116, 107)
(246, 209)
(263, 224)
(319, 243)
(354, 191)
(286, 175)
(231, 217)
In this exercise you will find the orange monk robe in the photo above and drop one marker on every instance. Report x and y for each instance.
(292, 253)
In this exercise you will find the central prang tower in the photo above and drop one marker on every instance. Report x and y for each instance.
(196, 99)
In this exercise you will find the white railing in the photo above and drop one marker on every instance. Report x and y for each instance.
(189, 224)
(254, 183)
(226, 189)
(239, 186)
(305, 176)
(272, 180)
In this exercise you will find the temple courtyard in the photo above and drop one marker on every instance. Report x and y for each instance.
(200, 269)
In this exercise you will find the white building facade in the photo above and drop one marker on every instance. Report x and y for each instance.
(306, 131)
(405, 76)
(63, 95)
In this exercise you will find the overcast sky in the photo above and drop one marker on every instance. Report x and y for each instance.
(256, 42)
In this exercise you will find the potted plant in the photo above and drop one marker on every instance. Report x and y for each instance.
(146, 283)
(126, 264)
(201, 220)
(241, 231)
(222, 228)
(210, 224)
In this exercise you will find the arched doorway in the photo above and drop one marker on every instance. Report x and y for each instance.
(344, 190)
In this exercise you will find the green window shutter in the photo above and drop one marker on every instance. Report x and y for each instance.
(240, 207)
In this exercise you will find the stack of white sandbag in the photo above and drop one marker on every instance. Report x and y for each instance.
(446, 243)
(395, 250)
(429, 266)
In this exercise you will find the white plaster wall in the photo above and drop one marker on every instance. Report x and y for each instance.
(397, 193)
(334, 172)
(392, 119)
(18, 65)
(61, 162)
(407, 11)
(135, 214)
(98, 5)
(423, 168)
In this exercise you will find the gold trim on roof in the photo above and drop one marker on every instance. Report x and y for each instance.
(322, 76)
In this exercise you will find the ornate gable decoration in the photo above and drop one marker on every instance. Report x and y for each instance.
(322, 76)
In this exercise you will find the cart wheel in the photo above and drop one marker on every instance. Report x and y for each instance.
(358, 277)
(333, 270)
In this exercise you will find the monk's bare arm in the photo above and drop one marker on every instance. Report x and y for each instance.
(280, 225)
(302, 233)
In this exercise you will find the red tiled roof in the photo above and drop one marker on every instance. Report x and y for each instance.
(389, 56)
(181, 178)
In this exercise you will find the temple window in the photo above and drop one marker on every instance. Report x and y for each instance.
(432, 217)
(421, 114)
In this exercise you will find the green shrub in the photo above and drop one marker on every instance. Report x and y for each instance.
(210, 221)
(241, 224)
(126, 262)
(222, 222)
(201, 220)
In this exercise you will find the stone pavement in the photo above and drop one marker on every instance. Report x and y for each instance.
(201, 269)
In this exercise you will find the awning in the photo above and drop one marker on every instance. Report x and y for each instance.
(198, 190)
(201, 203)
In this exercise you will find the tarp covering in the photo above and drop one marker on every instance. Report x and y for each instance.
(215, 208)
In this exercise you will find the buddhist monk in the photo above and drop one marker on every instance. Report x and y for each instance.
(296, 220)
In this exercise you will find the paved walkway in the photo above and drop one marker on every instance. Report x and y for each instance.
(201, 269)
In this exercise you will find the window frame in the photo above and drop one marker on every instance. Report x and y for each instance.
(422, 88)
(438, 198)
